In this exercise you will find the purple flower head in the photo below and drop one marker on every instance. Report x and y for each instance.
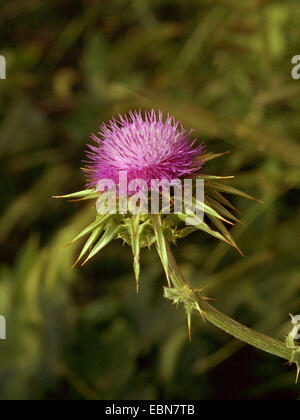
(146, 148)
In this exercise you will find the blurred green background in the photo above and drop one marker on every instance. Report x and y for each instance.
(223, 67)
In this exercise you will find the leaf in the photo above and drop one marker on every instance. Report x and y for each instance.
(221, 199)
(89, 197)
(222, 210)
(111, 233)
(136, 247)
(205, 228)
(136, 230)
(210, 156)
(183, 233)
(80, 194)
(92, 239)
(99, 221)
(212, 177)
(226, 233)
(209, 210)
(229, 190)
(161, 244)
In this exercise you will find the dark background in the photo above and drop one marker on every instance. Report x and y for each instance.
(223, 68)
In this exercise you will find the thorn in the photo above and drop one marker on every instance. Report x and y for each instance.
(168, 279)
(76, 200)
(88, 169)
(210, 299)
(66, 246)
(137, 285)
(226, 221)
(74, 265)
(85, 262)
(205, 297)
(297, 375)
(256, 199)
(238, 212)
(203, 288)
(239, 250)
(190, 334)
(189, 316)
(202, 313)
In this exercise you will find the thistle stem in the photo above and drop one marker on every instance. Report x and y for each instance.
(224, 322)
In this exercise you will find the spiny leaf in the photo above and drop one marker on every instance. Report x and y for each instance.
(187, 297)
(205, 228)
(183, 233)
(230, 190)
(92, 239)
(101, 220)
(79, 194)
(222, 210)
(89, 197)
(210, 156)
(111, 232)
(161, 243)
(136, 230)
(135, 241)
(208, 210)
(213, 177)
(225, 233)
(221, 199)
(296, 360)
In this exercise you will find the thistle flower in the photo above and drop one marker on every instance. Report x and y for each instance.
(146, 148)
(150, 148)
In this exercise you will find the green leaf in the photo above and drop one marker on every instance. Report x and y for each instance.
(225, 233)
(101, 220)
(229, 190)
(210, 156)
(222, 210)
(221, 199)
(79, 194)
(111, 233)
(205, 228)
(183, 233)
(208, 210)
(161, 243)
(136, 231)
(213, 177)
(92, 239)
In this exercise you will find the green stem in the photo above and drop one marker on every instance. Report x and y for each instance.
(245, 334)
(225, 323)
